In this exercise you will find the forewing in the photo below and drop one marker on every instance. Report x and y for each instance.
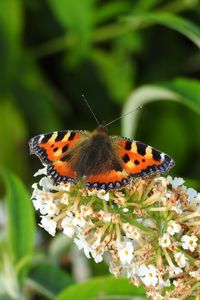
(140, 160)
(54, 149)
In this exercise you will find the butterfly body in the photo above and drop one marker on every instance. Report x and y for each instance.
(103, 161)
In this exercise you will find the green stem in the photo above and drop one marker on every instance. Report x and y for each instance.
(139, 225)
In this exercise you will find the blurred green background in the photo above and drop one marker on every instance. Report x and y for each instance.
(120, 54)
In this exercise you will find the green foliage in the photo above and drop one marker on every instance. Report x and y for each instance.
(21, 223)
(17, 251)
(100, 286)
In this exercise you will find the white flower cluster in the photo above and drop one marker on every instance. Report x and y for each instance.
(150, 228)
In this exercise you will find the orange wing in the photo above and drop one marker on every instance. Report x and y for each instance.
(108, 180)
(135, 159)
(54, 148)
(140, 160)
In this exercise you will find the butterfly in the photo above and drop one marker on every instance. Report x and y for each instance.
(102, 161)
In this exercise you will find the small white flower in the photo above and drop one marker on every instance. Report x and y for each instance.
(177, 208)
(163, 282)
(166, 283)
(173, 271)
(115, 269)
(48, 224)
(191, 194)
(176, 182)
(97, 254)
(51, 208)
(165, 241)
(181, 259)
(86, 211)
(64, 199)
(67, 225)
(189, 242)
(78, 220)
(106, 217)
(42, 171)
(196, 201)
(175, 283)
(130, 231)
(63, 187)
(103, 195)
(82, 244)
(125, 210)
(46, 183)
(38, 203)
(195, 274)
(148, 275)
(126, 253)
(173, 227)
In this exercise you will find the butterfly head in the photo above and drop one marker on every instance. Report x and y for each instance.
(102, 128)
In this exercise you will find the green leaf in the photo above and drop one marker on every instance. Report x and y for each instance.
(182, 90)
(21, 223)
(100, 286)
(48, 279)
(187, 28)
(76, 16)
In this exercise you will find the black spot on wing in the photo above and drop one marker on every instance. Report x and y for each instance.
(55, 149)
(126, 158)
(164, 167)
(136, 162)
(64, 149)
(141, 148)
(60, 136)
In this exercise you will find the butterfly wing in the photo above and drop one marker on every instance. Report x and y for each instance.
(54, 150)
(140, 160)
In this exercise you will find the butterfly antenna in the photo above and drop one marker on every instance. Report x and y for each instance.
(83, 96)
(130, 112)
